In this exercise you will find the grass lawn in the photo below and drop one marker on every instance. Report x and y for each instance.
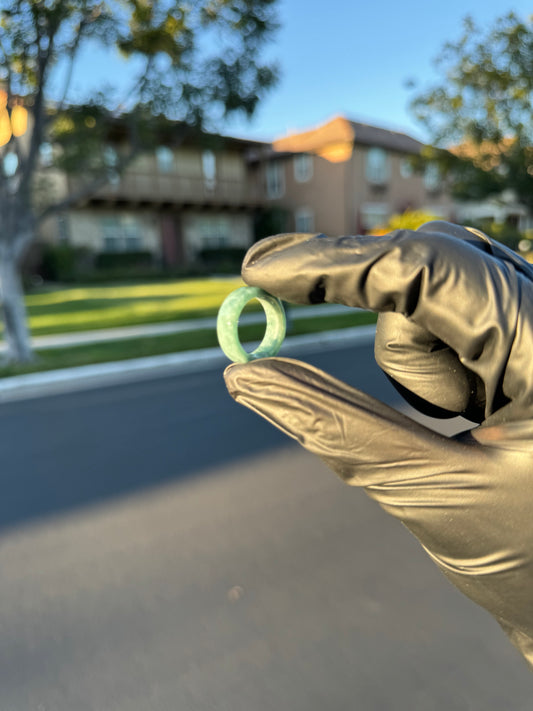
(83, 308)
(136, 348)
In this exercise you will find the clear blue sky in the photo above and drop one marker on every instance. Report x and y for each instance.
(352, 57)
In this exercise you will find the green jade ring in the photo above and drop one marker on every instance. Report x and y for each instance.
(228, 324)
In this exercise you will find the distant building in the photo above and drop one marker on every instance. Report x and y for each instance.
(208, 192)
(503, 208)
(173, 202)
(345, 177)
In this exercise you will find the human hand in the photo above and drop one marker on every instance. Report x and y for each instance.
(455, 335)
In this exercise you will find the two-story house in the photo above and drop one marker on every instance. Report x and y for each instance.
(208, 191)
(345, 177)
(173, 202)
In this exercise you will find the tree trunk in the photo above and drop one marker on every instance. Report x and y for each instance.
(13, 308)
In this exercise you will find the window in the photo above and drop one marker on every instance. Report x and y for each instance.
(377, 166)
(209, 169)
(275, 180)
(303, 168)
(165, 159)
(120, 233)
(432, 178)
(110, 158)
(406, 168)
(374, 215)
(214, 232)
(63, 229)
(526, 223)
(438, 211)
(304, 220)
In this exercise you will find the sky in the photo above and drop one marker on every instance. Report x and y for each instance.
(349, 57)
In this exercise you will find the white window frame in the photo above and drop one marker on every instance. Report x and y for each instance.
(377, 169)
(209, 169)
(165, 159)
(374, 214)
(121, 233)
(439, 211)
(275, 179)
(406, 168)
(304, 220)
(214, 231)
(303, 167)
(432, 178)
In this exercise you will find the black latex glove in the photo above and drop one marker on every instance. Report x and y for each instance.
(455, 334)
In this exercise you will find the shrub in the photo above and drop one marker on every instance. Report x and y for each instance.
(501, 231)
(408, 220)
(63, 262)
(139, 259)
(226, 260)
(271, 221)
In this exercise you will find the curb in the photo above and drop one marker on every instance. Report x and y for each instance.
(20, 387)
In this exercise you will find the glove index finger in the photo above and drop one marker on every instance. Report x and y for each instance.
(465, 297)
(277, 263)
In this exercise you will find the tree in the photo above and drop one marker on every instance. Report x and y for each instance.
(480, 116)
(192, 64)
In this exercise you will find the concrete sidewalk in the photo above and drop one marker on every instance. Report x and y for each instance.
(105, 335)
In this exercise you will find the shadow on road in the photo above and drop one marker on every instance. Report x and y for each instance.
(74, 450)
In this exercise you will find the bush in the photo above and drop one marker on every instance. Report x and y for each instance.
(140, 259)
(408, 220)
(226, 260)
(502, 232)
(63, 262)
(271, 221)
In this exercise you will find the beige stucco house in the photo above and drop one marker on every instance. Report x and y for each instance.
(173, 202)
(208, 191)
(344, 177)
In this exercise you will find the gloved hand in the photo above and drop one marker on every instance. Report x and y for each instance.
(455, 335)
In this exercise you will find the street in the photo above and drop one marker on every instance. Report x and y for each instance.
(164, 549)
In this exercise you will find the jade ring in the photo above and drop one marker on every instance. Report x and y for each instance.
(228, 324)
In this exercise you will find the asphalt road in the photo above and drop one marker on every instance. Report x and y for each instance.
(163, 549)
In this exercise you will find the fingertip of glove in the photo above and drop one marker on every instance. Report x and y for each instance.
(240, 378)
(271, 245)
(230, 377)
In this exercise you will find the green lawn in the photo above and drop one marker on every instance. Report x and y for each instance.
(83, 308)
(158, 345)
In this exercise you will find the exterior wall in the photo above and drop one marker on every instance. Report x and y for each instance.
(343, 195)
(171, 202)
(89, 228)
(50, 186)
(322, 196)
(342, 200)
(185, 176)
(54, 229)
(398, 192)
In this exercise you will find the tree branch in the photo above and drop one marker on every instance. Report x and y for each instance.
(91, 187)
(88, 189)
(38, 109)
